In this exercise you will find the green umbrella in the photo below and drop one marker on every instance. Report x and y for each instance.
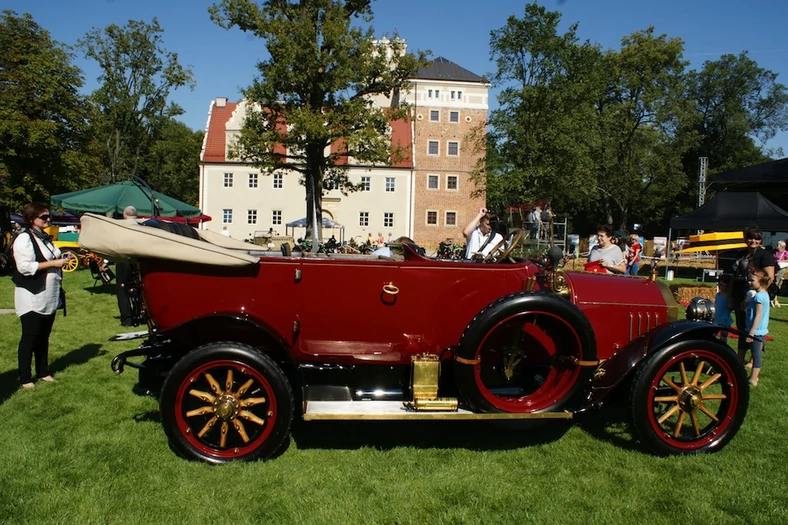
(114, 197)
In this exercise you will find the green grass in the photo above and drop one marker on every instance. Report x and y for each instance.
(89, 450)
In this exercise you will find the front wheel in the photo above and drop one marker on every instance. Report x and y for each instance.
(690, 397)
(226, 401)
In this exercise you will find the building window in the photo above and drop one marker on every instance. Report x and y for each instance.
(435, 115)
(278, 180)
(388, 220)
(451, 182)
(453, 149)
(389, 183)
(459, 95)
(228, 180)
(227, 216)
(433, 182)
(251, 216)
(432, 218)
(253, 180)
(452, 95)
(437, 93)
(433, 147)
(366, 183)
(429, 93)
(454, 116)
(451, 218)
(276, 217)
(363, 218)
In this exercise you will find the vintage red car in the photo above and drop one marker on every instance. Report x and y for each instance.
(239, 343)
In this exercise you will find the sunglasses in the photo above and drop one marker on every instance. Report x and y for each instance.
(44, 217)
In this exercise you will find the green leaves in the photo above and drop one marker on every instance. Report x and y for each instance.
(137, 77)
(317, 89)
(43, 119)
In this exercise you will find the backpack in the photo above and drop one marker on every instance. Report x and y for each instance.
(7, 263)
(545, 216)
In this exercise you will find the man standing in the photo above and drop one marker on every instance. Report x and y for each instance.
(479, 237)
(607, 254)
(124, 277)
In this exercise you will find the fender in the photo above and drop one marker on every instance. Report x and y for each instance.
(162, 352)
(613, 371)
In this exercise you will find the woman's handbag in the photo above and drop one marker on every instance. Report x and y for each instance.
(62, 301)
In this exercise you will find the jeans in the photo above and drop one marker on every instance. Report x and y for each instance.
(34, 342)
(632, 269)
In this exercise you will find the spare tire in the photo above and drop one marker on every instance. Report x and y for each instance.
(521, 353)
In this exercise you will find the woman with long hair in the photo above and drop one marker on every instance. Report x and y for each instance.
(37, 276)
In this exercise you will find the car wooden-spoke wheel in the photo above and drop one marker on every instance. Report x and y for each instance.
(225, 402)
(690, 398)
(526, 361)
(72, 262)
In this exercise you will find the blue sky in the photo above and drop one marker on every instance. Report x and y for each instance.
(224, 61)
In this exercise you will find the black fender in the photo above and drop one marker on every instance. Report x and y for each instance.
(613, 371)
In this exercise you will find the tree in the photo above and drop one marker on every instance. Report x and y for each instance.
(172, 165)
(136, 80)
(538, 147)
(738, 103)
(640, 122)
(317, 90)
(43, 119)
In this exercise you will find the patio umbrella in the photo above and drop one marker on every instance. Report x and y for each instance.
(114, 197)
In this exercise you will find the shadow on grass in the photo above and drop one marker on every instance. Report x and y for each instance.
(9, 381)
(611, 424)
(386, 435)
(101, 290)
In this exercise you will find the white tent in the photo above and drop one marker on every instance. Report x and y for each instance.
(328, 224)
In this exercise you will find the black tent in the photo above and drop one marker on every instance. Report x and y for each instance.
(771, 176)
(730, 211)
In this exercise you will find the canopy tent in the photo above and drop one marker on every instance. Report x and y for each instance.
(112, 198)
(729, 211)
(327, 224)
(770, 176)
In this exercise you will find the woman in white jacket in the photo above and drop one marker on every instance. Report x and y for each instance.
(37, 276)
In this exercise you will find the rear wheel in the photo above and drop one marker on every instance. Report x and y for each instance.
(521, 355)
(690, 397)
(226, 401)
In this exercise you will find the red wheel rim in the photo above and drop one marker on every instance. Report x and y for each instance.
(527, 362)
(205, 409)
(692, 399)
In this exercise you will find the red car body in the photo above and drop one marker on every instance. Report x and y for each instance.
(234, 353)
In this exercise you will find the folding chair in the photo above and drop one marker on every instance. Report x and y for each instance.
(104, 276)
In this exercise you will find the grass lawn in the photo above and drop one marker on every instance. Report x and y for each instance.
(89, 450)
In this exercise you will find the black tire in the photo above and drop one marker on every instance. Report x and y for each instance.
(520, 354)
(682, 380)
(203, 422)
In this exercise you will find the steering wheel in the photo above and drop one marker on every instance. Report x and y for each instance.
(516, 238)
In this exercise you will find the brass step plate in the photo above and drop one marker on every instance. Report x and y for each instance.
(395, 410)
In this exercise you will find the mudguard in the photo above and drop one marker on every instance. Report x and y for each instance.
(613, 371)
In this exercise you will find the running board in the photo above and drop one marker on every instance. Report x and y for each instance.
(395, 410)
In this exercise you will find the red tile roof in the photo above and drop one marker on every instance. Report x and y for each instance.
(216, 147)
(215, 142)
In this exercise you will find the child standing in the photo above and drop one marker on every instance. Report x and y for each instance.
(757, 315)
(723, 315)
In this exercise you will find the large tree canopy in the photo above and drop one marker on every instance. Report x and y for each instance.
(43, 119)
(318, 89)
(137, 77)
(614, 136)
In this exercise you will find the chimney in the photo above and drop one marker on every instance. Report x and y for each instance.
(221, 102)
